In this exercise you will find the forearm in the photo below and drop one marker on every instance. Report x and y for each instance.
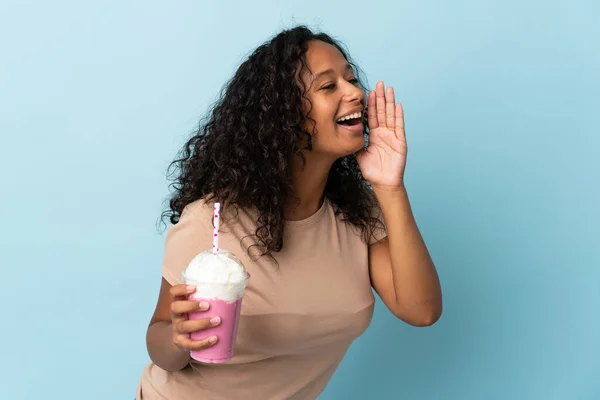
(163, 352)
(415, 278)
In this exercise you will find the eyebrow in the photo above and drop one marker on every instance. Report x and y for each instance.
(330, 71)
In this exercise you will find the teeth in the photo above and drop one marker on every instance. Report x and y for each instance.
(351, 116)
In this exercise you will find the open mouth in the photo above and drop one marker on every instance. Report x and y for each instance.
(350, 120)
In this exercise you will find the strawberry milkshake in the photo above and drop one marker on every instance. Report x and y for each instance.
(220, 279)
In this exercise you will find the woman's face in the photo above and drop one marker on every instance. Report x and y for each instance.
(336, 102)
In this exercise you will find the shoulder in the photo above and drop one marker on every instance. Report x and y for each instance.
(371, 228)
(196, 222)
(189, 236)
(195, 216)
(197, 210)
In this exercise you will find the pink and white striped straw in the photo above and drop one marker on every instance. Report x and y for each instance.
(217, 213)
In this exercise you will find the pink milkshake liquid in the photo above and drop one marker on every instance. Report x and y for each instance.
(220, 279)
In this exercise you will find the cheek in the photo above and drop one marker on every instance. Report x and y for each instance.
(314, 119)
(323, 113)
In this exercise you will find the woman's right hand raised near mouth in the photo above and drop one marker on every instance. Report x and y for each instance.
(182, 326)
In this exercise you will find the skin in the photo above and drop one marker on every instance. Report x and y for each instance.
(400, 267)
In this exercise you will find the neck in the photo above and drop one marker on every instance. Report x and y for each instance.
(309, 182)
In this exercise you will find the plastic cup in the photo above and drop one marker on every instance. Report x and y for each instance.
(225, 301)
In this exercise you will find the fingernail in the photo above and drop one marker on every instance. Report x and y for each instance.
(204, 305)
(215, 320)
(190, 288)
(212, 340)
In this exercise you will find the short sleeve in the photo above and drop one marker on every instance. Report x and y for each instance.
(378, 231)
(184, 240)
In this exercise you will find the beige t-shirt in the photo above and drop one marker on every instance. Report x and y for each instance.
(297, 320)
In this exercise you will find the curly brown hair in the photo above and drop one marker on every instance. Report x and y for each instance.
(240, 155)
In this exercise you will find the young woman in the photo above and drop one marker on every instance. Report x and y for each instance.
(318, 217)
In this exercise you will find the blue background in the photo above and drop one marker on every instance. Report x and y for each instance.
(501, 101)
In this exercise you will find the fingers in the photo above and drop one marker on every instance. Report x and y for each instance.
(390, 108)
(188, 306)
(380, 103)
(181, 291)
(372, 110)
(399, 121)
(181, 304)
(183, 341)
(182, 326)
(194, 325)
(382, 107)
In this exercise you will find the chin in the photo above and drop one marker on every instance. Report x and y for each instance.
(346, 149)
(344, 143)
(355, 144)
(352, 138)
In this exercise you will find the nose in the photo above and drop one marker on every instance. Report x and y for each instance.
(354, 94)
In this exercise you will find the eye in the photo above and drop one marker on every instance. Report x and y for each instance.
(331, 86)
